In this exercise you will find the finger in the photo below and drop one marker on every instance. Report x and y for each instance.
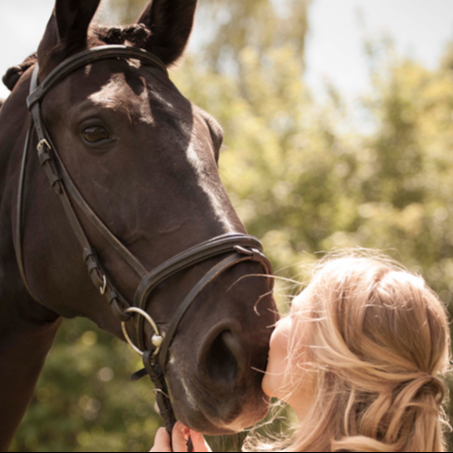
(162, 442)
(199, 442)
(179, 438)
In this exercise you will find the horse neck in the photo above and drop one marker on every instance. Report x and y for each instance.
(24, 346)
(27, 330)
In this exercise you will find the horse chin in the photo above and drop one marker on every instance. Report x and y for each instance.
(202, 418)
(199, 423)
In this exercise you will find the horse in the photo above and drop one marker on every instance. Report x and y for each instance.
(146, 162)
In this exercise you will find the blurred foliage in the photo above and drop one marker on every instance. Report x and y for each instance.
(84, 400)
(300, 177)
(259, 24)
(121, 11)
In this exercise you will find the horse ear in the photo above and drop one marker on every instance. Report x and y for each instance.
(170, 22)
(67, 29)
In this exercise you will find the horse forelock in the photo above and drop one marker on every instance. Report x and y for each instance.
(135, 35)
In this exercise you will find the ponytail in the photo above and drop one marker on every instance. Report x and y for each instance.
(410, 422)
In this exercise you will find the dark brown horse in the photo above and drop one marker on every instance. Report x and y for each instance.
(146, 160)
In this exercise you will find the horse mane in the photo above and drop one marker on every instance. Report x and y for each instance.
(14, 73)
(136, 35)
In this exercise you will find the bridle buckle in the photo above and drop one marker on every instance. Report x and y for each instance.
(161, 392)
(103, 288)
(42, 143)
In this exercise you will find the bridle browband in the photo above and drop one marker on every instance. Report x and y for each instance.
(234, 248)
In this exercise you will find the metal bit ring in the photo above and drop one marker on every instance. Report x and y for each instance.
(156, 339)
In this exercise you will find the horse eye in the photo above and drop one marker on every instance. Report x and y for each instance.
(95, 134)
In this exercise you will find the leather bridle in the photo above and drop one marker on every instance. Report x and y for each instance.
(233, 248)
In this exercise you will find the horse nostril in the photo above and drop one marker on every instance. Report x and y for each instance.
(225, 359)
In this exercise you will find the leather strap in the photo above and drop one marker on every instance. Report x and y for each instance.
(133, 262)
(161, 391)
(189, 258)
(232, 243)
(87, 57)
(19, 213)
(56, 172)
(20, 196)
(216, 271)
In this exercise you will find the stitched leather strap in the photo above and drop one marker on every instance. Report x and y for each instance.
(161, 391)
(133, 262)
(216, 271)
(87, 57)
(189, 258)
(19, 214)
(243, 248)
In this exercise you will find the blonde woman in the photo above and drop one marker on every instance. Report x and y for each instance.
(364, 353)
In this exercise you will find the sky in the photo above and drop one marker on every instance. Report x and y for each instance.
(420, 29)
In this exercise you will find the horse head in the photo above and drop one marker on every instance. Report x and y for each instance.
(146, 161)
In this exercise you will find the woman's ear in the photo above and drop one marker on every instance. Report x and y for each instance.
(67, 30)
(171, 23)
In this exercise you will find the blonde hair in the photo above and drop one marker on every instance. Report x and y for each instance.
(377, 343)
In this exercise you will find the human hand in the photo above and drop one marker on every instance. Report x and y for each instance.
(180, 437)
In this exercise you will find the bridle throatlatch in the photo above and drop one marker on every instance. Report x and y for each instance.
(232, 248)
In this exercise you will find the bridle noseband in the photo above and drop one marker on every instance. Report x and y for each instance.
(234, 248)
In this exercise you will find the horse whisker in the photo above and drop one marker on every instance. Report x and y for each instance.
(255, 307)
(275, 277)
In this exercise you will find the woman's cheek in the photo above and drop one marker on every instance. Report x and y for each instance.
(273, 381)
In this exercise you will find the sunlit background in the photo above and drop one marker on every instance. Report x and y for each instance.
(334, 45)
(339, 133)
